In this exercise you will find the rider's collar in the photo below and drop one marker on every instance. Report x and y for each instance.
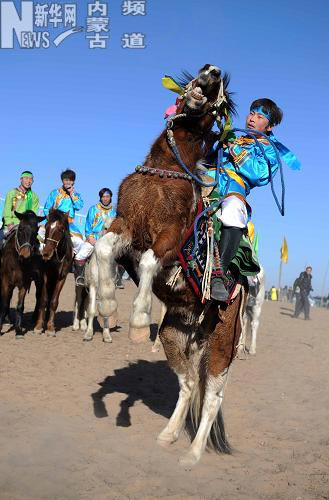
(105, 207)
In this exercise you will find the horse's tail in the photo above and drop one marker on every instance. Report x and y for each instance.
(217, 439)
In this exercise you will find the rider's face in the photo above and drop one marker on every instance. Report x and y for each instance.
(26, 182)
(106, 199)
(67, 183)
(257, 121)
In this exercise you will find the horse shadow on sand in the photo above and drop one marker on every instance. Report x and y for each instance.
(151, 382)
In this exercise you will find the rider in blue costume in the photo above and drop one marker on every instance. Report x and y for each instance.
(97, 215)
(67, 200)
(245, 168)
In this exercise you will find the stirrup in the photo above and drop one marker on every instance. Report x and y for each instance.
(80, 281)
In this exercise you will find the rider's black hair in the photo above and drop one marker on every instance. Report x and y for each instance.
(270, 108)
(103, 191)
(68, 174)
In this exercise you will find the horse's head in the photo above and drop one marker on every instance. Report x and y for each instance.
(206, 94)
(27, 232)
(57, 228)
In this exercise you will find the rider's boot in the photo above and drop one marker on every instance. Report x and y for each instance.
(228, 246)
(79, 272)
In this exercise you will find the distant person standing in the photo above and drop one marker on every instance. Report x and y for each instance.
(302, 288)
(274, 293)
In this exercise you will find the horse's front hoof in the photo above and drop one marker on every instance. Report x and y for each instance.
(139, 335)
(242, 354)
(83, 325)
(88, 336)
(112, 321)
(107, 339)
(19, 336)
(165, 439)
(51, 333)
(188, 460)
(38, 331)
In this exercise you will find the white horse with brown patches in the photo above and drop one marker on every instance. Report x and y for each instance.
(252, 314)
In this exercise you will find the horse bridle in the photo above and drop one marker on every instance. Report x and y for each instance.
(18, 246)
(214, 107)
(56, 247)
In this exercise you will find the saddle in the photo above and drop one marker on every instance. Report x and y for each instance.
(199, 257)
(5, 237)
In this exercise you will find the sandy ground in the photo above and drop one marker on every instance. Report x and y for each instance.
(79, 420)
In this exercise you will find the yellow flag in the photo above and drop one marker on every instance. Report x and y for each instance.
(284, 251)
(169, 83)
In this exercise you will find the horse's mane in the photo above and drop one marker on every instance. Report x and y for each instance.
(58, 215)
(186, 77)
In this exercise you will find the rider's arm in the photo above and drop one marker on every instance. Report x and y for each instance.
(252, 164)
(77, 201)
(35, 203)
(89, 223)
(50, 201)
(7, 210)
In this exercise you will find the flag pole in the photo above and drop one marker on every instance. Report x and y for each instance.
(280, 275)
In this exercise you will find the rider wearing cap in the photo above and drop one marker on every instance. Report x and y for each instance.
(19, 199)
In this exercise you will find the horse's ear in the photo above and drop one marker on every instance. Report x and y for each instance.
(67, 215)
(18, 215)
(41, 218)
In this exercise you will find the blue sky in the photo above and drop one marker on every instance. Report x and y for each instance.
(98, 111)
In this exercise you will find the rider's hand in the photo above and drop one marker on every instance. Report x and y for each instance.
(10, 227)
(91, 240)
(70, 190)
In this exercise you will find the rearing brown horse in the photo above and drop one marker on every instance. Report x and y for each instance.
(155, 208)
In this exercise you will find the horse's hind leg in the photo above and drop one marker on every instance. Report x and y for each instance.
(6, 294)
(19, 312)
(77, 302)
(174, 343)
(176, 422)
(157, 343)
(254, 324)
(89, 334)
(53, 307)
(212, 401)
(43, 304)
(242, 353)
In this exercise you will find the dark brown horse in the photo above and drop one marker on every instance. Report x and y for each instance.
(58, 256)
(21, 263)
(156, 206)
